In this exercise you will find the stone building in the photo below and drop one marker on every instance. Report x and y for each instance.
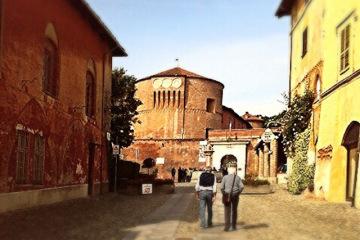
(55, 66)
(325, 50)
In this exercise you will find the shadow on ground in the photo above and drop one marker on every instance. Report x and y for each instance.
(101, 217)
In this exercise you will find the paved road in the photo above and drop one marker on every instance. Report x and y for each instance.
(262, 216)
(278, 215)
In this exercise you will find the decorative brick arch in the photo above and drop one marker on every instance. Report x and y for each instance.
(32, 120)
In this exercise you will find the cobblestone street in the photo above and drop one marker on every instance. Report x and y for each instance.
(262, 216)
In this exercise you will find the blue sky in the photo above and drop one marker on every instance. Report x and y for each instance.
(240, 43)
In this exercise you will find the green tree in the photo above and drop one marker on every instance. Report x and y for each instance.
(123, 107)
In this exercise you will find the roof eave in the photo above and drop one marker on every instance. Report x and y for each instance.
(284, 8)
(116, 49)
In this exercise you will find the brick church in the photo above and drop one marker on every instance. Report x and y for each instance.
(180, 109)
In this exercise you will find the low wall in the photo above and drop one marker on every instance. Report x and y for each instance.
(25, 199)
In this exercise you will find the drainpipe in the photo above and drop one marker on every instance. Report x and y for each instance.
(105, 56)
(102, 121)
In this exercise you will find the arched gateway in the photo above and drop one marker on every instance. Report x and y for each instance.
(351, 143)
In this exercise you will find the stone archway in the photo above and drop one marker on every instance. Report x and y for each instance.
(229, 158)
(351, 143)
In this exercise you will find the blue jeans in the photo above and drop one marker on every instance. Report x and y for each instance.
(205, 202)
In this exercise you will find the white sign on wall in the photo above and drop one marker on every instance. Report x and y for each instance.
(202, 148)
(160, 160)
(116, 149)
(147, 189)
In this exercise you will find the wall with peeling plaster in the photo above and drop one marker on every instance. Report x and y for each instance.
(23, 104)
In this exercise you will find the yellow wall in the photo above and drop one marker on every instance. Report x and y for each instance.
(324, 19)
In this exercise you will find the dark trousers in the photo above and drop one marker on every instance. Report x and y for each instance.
(231, 212)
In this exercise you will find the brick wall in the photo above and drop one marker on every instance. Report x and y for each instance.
(62, 121)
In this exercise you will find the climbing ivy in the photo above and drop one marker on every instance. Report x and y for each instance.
(296, 120)
(302, 174)
(295, 125)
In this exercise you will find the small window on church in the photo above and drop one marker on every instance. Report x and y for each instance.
(169, 98)
(154, 99)
(164, 98)
(174, 98)
(210, 105)
(179, 95)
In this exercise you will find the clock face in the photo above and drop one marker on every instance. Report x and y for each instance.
(166, 82)
(157, 83)
(176, 83)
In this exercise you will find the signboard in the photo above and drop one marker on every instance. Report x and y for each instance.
(268, 136)
(160, 160)
(116, 150)
(108, 136)
(202, 148)
(147, 189)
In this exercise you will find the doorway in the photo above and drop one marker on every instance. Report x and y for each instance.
(351, 142)
(91, 155)
(225, 160)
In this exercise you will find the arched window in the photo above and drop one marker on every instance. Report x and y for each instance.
(50, 69)
(169, 98)
(154, 99)
(179, 96)
(317, 87)
(174, 98)
(164, 98)
(90, 99)
(159, 98)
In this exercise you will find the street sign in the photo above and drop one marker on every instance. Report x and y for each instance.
(147, 188)
(268, 136)
(116, 150)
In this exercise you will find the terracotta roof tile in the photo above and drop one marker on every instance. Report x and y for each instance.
(179, 72)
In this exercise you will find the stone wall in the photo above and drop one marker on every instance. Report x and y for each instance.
(177, 153)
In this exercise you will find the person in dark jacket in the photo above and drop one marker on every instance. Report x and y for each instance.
(173, 173)
(232, 186)
(206, 193)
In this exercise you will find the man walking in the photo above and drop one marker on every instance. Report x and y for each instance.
(173, 173)
(231, 187)
(206, 193)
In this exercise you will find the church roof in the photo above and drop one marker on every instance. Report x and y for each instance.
(284, 8)
(179, 72)
(237, 116)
